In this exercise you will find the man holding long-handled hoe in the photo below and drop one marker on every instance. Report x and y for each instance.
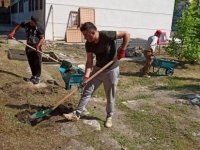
(35, 38)
(102, 44)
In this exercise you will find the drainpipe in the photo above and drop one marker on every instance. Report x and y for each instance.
(44, 13)
(52, 23)
(10, 14)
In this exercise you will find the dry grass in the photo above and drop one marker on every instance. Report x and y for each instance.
(161, 122)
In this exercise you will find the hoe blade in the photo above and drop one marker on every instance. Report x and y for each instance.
(65, 64)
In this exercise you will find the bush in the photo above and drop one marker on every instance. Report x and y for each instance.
(187, 30)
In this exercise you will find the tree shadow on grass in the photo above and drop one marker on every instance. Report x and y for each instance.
(195, 86)
(13, 74)
(137, 74)
(187, 78)
(191, 87)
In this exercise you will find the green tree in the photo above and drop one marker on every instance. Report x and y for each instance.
(188, 31)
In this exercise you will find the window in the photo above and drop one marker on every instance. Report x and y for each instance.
(32, 5)
(29, 5)
(36, 4)
(21, 6)
(14, 8)
(41, 4)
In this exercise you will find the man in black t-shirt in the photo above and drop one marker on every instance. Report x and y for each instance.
(35, 38)
(102, 44)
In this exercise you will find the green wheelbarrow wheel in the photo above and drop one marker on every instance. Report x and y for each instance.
(169, 71)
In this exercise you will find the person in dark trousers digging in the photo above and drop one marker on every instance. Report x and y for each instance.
(35, 38)
(102, 44)
(149, 53)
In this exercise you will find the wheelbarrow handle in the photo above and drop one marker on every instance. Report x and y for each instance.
(36, 50)
(76, 88)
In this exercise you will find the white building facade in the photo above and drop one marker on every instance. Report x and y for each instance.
(139, 17)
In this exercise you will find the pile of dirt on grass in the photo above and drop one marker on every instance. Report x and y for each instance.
(17, 89)
(25, 115)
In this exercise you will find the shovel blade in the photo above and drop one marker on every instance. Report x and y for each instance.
(40, 114)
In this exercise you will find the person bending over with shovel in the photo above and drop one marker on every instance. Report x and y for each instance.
(102, 44)
(149, 53)
(35, 38)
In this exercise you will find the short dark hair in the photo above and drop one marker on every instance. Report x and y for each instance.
(34, 19)
(88, 26)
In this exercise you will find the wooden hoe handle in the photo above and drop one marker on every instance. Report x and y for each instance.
(76, 88)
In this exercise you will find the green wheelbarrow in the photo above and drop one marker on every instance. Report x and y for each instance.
(162, 64)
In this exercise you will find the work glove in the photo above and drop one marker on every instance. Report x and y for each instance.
(121, 54)
(83, 83)
(11, 35)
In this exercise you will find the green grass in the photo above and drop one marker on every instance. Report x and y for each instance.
(139, 97)
(135, 81)
(100, 92)
(10, 122)
(90, 138)
(161, 125)
(143, 96)
(177, 109)
(179, 84)
(124, 141)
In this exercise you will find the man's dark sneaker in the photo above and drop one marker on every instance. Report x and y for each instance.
(35, 80)
(32, 78)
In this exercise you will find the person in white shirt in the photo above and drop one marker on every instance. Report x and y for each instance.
(149, 52)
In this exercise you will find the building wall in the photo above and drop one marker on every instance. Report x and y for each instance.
(26, 14)
(140, 17)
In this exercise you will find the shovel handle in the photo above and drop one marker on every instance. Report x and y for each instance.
(36, 50)
(99, 71)
(64, 98)
(76, 89)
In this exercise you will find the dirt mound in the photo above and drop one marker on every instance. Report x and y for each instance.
(17, 89)
(26, 115)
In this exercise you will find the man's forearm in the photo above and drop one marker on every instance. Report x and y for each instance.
(41, 41)
(125, 42)
(12, 33)
(88, 69)
(16, 29)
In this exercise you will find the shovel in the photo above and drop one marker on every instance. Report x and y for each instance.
(64, 64)
(46, 112)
